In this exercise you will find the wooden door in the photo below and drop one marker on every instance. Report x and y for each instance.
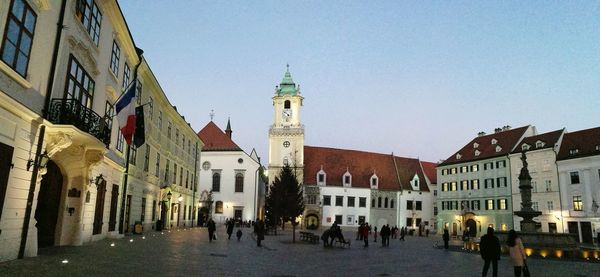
(586, 232)
(114, 200)
(6, 152)
(574, 229)
(47, 210)
(99, 212)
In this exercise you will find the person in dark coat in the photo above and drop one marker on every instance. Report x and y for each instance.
(260, 232)
(446, 237)
(489, 248)
(365, 234)
(212, 227)
(402, 233)
(239, 234)
(229, 228)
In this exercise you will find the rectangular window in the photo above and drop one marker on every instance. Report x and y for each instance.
(574, 177)
(500, 164)
(18, 36)
(169, 130)
(311, 199)
(362, 202)
(443, 205)
(109, 111)
(419, 207)
(502, 204)
(88, 13)
(338, 219)
(321, 177)
(464, 169)
(156, 170)
(120, 142)
(326, 200)
(350, 201)
(159, 121)
(409, 204)
(176, 136)
(347, 180)
(150, 107)
(138, 92)
(550, 206)
(126, 76)
(577, 203)
(453, 170)
(475, 184)
(548, 185)
(174, 173)
(475, 168)
(435, 211)
(80, 85)
(444, 186)
(489, 183)
(489, 204)
(114, 58)
(167, 166)
(181, 176)
(132, 154)
(534, 186)
(535, 206)
(153, 210)
(453, 186)
(435, 192)
(501, 182)
(147, 158)
(339, 201)
(444, 171)
(143, 214)
(464, 185)
(187, 177)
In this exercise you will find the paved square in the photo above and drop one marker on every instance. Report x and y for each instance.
(188, 253)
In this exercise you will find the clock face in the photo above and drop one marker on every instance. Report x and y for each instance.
(287, 113)
(286, 144)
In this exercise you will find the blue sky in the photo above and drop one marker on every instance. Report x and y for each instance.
(419, 79)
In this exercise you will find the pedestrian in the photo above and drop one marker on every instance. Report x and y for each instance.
(375, 234)
(402, 233)
(238, 234)
(260, 232)
(489, 248)
(517, 253)
(365, 234)
(427, 232)
(446, 237)
(230, 225)
(211, 229)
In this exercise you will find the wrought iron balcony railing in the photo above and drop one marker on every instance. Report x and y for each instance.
(72, 112)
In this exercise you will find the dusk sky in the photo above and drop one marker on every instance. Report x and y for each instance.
(419, 79)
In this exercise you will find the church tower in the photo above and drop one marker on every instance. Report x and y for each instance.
(286, 135)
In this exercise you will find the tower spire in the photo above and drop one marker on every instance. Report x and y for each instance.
(228, 130)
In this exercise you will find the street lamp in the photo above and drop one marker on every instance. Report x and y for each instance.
(180, 198)
(42, 162)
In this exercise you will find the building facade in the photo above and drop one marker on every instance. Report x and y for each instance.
(578, 164)
(475, 183)
(233, 176)
(541, 151)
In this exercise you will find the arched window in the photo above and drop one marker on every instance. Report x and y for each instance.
(386, 203)
(392, 204)
(373, 203)
(216, 185)
(219, 207)
(379, 202)
(239, 182)
(286, 104)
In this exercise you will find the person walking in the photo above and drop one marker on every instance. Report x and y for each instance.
(445, 237)
(402, 233)
(230, 225)
(375, 234)
(239, 234)
(260, 232)
(365, 234)
(489, 248)
(517, 252)
(212, 227)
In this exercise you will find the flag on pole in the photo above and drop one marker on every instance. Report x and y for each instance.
(126, 114)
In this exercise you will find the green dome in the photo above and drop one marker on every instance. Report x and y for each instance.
(287, 85)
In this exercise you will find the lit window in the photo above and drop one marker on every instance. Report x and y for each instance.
(574, 151)
(474, 168)
(219, 207)
(577, 203)
(475, 184)
(489, 204)
(502, 204)
(539, 144)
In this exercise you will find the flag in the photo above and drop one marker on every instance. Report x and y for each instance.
(126, 113)
(139, 136)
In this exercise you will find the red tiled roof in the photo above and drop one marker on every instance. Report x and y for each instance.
(584, 141)
(215, 139)
(361, 165)
(430, 171)
(505, 139)
(549, 139)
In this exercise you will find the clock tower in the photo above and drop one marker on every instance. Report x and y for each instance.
(286, 135)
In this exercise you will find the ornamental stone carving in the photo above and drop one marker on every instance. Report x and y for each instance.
(58, 142)
(93, 157)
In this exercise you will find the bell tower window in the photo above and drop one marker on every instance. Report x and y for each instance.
(287, 104)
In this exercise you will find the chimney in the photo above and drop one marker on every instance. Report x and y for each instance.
(481, 134)
(497, 130)
(228, 130)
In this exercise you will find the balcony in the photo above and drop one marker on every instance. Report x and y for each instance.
(72, 112)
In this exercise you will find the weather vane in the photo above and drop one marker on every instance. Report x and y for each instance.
(212, 114)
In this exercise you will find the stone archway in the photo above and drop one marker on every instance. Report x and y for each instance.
(47, 212)
(471, 225)
(312, 221)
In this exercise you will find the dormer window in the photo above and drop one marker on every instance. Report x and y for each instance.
(415, 182)
(321, 178)
(574, 151)
(525, 147)
(539, 144)
(475, 145)
(494, 141)
(374, 182)
(498, 148)
(347, 179)
(458, 156)
(477, 153)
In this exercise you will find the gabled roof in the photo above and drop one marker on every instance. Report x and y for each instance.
(361, 165)
(506, 139)
(548, 139)
(430, 171)
(580, 144)
(215, 139)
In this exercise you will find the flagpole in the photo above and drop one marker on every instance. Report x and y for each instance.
(124, 195)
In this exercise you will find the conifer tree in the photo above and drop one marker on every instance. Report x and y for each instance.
(285, 200)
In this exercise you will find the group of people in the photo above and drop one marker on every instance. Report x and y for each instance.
(334, 232)
(259, 230)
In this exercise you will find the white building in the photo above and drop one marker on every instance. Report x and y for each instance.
(579, 177)
(233, 176)
(541, 151)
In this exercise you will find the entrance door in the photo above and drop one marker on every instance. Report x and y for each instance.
(99, 212)
(454, 229)
(586, 232)
(6, 152)
(114, 197)
(574, 229)
(237, 214)
(472, 227)
(47, 210)
(127, 213)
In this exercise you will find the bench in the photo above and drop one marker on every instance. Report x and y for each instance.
(309, 237)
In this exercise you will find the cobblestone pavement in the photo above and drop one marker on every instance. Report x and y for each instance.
(188, 253)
